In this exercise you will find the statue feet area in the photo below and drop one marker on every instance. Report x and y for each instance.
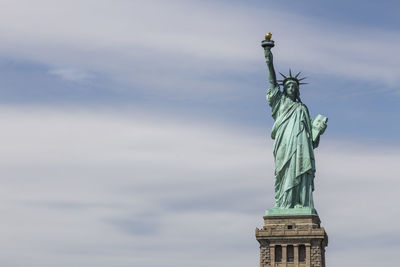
(291, 211)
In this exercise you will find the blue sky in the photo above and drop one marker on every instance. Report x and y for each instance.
(131, 127)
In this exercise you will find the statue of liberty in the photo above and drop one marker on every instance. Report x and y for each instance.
(295, 136)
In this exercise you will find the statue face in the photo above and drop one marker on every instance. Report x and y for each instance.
(291, 89)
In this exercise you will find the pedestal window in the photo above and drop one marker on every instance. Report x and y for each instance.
(290, 253)
(302, 253)
(278, 253)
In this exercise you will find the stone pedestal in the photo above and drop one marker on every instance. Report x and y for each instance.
(292, 241)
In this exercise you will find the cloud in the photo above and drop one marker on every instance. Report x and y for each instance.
(97, 188)
(187, 47)
(73, 75)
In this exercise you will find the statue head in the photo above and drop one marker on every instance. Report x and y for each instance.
(291, 90)
(291, 85)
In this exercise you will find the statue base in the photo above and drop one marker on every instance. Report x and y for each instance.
(293, 211)
(292, 240)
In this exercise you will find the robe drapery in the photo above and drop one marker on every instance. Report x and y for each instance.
(293, 151)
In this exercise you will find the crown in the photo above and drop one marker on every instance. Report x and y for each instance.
(295, 78)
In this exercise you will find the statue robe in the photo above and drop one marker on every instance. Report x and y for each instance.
(293, 151)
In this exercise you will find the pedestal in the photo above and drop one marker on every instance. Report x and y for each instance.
(292, 241)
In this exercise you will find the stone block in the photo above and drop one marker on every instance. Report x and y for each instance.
(298, 234)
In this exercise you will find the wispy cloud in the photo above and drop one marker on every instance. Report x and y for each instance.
(73, 75)
(93, 187)
(169, 46)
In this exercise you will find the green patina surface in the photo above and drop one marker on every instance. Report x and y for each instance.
(295, 135)
(291, 211)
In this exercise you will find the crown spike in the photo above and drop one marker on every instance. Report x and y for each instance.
(292, 78)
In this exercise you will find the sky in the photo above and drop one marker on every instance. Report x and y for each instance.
(136, 133)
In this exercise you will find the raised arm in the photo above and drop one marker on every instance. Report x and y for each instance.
(274, 94)
(270, 65)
